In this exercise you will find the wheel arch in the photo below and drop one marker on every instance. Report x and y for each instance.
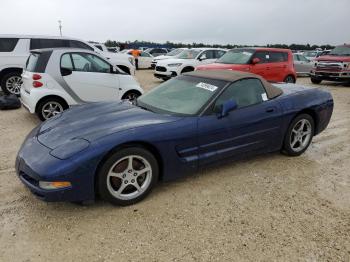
(187, 68)
(7, 70)
(313, 114)
(48, 97)
(148, 146)
(130, 90)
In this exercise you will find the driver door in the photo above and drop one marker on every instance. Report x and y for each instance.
(251, 128)
(92, 78)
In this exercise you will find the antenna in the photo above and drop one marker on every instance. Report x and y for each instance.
(60, 26)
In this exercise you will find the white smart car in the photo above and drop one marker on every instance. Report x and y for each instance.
(187, 61)
(55, 79)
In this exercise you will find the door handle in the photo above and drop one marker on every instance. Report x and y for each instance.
(270, 109)
(267, 68)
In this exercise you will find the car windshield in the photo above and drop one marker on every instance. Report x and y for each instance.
(184, 95)
(340, 51)
(237, 56)
(189, 54)
(310, 53)
(174, 52)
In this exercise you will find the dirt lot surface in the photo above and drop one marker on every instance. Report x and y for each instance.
(268, 208)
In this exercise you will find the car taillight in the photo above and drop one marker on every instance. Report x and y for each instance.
(36, 77)
(37, 84)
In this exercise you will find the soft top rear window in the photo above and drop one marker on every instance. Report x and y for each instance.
(37, 61)
(8, 44)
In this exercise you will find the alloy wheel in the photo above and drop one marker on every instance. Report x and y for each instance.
(13, 84)
(129, 177)
(300, 135)
(51, 109)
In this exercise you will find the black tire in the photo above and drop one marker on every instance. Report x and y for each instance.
(131, 95)
(187, 69)
(43, 103)
(102, 181)
(289, 79)
(287, 144)
(315, 80)
(4, 83)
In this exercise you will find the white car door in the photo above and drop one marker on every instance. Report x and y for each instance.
(145, 60)
(92, 78)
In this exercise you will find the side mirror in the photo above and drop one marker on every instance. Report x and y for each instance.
(227, 107)
(66, 71)
(203, 57)
(256, 61)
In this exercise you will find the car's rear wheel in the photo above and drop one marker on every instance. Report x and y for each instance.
(299, 135)
(127, 176)
(11, 83)
(289, 79)
(131, 95)
(50, 107)
(315, 80)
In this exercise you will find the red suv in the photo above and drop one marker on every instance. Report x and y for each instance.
(274, 64)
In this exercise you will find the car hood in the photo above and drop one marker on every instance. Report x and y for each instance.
(95, 120)
(162, 57)
(173, 61)
(333, 58)
(217, 66)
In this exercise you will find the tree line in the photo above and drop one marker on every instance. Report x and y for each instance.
(168, 44)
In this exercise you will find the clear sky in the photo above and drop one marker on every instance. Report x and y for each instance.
(251, 22)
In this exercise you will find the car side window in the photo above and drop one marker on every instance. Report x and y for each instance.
(303, 58)
(208, 54)
(66, 62)
(245, 92)
(219, 53)
(8, 44)
(296, 57)
(278, 57)
(144, 54)
(90, 63)
(263, 56)
(38, 43)
(78, 44)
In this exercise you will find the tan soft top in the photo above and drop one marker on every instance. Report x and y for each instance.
(233, 76)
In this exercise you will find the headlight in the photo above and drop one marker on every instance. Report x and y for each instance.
(70, 148)
(131, 60)
(174, 65)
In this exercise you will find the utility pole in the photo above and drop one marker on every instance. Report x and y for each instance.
(60, 26)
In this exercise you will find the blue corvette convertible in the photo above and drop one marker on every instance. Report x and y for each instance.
(119, 150)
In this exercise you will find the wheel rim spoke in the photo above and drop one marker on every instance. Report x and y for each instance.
(300, 135)
(129, 177)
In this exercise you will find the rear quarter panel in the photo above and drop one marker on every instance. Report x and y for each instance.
(315, 101)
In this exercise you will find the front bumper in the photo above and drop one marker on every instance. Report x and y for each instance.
(165, 74)
(333, 76)
(34, 163)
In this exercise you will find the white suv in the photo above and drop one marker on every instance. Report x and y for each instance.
(187, 61)
(15, 49)
(55, 79)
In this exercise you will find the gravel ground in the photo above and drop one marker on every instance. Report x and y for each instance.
(267, 208)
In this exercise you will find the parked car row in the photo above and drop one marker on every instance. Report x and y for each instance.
(15, 49)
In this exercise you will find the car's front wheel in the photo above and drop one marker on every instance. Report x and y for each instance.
(50, 107)
(299, 135)
(315, 80)
(127, 176)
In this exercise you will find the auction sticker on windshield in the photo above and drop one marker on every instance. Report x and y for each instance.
(206, 86)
